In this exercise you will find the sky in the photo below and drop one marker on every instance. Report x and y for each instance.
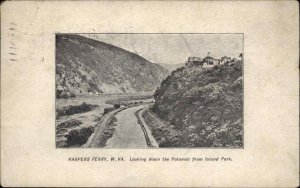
(175, 48)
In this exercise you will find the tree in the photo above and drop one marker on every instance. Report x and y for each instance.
(156, 93)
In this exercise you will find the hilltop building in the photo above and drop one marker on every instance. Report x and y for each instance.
(194, 61)
(225, 59)
(209, 61)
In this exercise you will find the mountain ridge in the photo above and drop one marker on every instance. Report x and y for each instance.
(85, 65)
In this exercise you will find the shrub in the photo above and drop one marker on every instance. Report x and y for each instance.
(117, 106)
(70, 110)
(106, 110)
(79, 137)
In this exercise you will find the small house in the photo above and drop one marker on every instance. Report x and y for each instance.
(194, 61)
(225, 59)
(209, 60)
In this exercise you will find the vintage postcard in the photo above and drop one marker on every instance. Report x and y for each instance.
(149, 90)
(150, 93)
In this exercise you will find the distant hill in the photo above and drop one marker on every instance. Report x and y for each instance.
(85, 65)
(172, 67)
(203, 106)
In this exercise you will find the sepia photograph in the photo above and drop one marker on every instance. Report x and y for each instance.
(149, 90)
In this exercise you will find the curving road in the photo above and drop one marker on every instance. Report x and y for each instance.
(128, 132)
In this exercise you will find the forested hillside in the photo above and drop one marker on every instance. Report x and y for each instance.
(85, 66)
(203, 106)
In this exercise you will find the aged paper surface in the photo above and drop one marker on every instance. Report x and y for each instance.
(270, 154)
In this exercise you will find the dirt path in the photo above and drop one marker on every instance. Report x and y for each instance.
(128, 133)
(131, 130)
(95, 138)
